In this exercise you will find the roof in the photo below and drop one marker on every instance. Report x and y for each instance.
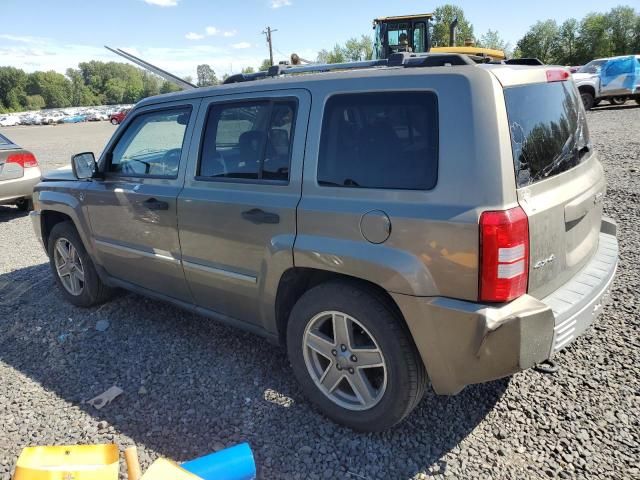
(399, 18)
(506, 74)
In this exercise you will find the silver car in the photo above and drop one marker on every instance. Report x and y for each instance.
(19, 173)
(422, 220)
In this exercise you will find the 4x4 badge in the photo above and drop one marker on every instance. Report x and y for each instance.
(544, 261)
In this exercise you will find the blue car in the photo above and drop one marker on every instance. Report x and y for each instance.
(75, 119)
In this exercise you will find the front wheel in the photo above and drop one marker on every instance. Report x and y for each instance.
(587, 100)
(73, 268)
(353, 356)
(114, 121)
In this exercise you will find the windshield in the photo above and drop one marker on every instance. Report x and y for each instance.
(592, 67)
(548, 130)
(4, 141)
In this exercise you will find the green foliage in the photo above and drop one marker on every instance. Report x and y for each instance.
(442, 18)
(597, 35)
(353, 50)
(248, 70)
(206, 76)
(492, 39)
(264, 66)
(92, 83)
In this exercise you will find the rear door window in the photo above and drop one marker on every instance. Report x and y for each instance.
(549, 133)
(249, 140)
(383, 140)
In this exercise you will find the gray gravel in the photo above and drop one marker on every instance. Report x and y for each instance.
(192, 386)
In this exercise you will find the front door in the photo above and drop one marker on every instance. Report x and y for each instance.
(133, 210)
(237, 212)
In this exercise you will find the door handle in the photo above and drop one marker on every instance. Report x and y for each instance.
(153, 204)
(257, 216)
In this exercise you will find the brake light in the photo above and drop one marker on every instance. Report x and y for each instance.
(558, 75)
(25, 160)
(504, 255)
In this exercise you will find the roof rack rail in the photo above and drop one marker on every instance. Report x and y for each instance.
(402, 59)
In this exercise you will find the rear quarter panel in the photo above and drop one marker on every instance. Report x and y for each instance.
(433, 245)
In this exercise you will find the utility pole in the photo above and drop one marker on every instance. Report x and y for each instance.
(268, 33)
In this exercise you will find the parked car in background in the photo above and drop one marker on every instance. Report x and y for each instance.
(9, 120)
(97, 116)
(74, 119)
(616, 87)
(340, 215)
(19, 173)
(119, 116)
(51, 118)
(31, 119)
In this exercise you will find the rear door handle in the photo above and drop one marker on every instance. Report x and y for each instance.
(153, 204)
(257, 216)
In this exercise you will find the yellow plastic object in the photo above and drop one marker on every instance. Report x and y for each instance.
(163, 469)
(77, 462)
(481, 52)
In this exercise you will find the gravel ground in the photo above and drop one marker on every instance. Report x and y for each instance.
(192, 386)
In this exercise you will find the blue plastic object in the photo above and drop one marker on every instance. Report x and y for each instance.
(234, 463)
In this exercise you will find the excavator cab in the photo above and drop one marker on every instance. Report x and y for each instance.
(407, 33)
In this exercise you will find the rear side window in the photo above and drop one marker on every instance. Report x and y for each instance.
(380, 140)
(549, 133)
(249, 140)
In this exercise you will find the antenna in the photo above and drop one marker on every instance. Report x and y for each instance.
(170, 77)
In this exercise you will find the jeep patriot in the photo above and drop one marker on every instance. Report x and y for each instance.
(392, 225)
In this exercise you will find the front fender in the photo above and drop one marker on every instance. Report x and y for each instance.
(394, 270)
(68, 204)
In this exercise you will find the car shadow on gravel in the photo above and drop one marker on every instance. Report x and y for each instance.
(192, 386)
(614, 107)
(10, 213)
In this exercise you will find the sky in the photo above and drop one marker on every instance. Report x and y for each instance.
(177, 35)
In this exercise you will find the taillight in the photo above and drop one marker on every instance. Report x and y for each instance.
(25, 160)
(558, 75)
(504, 255)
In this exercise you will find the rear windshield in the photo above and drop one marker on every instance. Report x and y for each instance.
(548, 130)
(4, 141)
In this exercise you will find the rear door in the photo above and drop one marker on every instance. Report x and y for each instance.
(560, 182)
(237, 212)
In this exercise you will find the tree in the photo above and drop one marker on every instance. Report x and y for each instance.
(206, 76)
(336, 55)
(265, 65)
(35, 102)
(442, 18)
(248, 70)
(492, 39)
(595, 40)
(13, 82)
(566, 47)
(358, 49)
(168, 87)
(541, 41)
(623, 24)
(54, 87)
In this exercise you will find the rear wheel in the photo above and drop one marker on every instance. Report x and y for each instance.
(73, 269)
(353, 357)
(114, 121)
(618, 100)
(587, 100)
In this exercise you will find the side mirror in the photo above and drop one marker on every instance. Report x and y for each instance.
(84, 165)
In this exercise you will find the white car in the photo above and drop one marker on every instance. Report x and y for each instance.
(9, 120)
(52, 118)
(592, 90)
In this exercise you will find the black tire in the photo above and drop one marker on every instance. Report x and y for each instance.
(25, 204)
(638, 100)
(618, 100)
(406, 375)
(94, 292)
(587, 100)
(114, 121)
(596, 102)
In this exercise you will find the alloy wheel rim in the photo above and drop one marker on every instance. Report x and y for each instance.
(344, 360)
(69, 266)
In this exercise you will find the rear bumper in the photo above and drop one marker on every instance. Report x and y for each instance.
(17, 188)
(462, 343)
